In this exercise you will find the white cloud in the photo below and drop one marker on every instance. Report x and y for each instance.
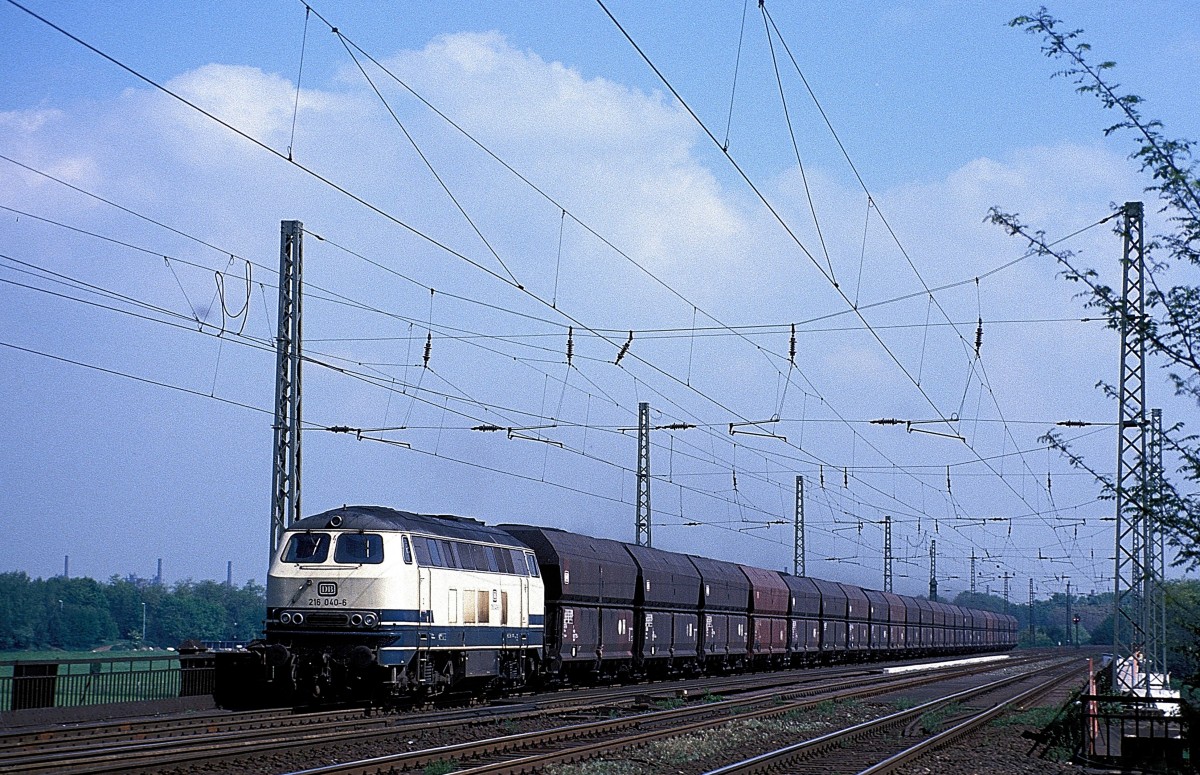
(29, 121)
(623, 159)
(258, 103)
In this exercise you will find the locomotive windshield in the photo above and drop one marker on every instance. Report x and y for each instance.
(307, 547)
(360, 548)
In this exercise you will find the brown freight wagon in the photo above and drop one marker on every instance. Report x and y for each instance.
(590, 587)
(833, 620)
(858, 624)
(898, 614)
(768, 606)
(666, 611)
(724, 598)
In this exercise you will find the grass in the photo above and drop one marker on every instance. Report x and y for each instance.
(442, 767)
(1058, 728)
(57, 655)
(1030, 717)
(932, 721)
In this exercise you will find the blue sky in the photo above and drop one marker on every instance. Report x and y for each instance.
(943, 109)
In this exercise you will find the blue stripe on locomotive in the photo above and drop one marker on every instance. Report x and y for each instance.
(407, 639)
(391, 615)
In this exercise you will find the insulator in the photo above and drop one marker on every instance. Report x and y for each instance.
(570, 343)
(1049, 485)
(428, 347)
(978, 337)
(948, 490)
(624, 349)
(792, 347)
(735, 481)
(846, 477)
(822, 471)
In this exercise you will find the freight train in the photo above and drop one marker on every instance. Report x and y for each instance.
(369, 604)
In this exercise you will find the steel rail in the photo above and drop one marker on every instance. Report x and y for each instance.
(88, 733)
(782, 757)
(719, 713)
(134, 739)
(962, 729)
(156, 736)
(153, 754)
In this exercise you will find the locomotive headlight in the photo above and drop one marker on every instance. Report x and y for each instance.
(297, 618)
(285, 618)
(370, 620)
(356, 620)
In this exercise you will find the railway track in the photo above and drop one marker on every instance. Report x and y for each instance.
(93, 734)
(885, 745)
(183, 743)
(90, 736)
(535, 751)
(150, 744)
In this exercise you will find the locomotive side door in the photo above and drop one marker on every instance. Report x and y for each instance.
(424, 597)
(524, 604)
(523, 610)
(424, 620)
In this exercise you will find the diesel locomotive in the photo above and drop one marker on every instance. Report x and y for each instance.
(369, 604)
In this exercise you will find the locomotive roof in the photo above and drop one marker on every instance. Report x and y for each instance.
(383, 518)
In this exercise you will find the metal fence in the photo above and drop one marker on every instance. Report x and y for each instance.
(1131, 732)
(72, 682)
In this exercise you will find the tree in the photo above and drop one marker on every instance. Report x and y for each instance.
(22, 617)
(125, 605)
(1171, 326)
(82, 613)
(1183, 612)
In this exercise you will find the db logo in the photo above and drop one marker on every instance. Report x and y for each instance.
(326, 589)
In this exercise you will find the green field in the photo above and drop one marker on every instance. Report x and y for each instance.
(57, 655)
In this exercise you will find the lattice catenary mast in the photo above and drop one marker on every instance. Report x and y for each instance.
(933, 570)
(642, 503)
(1156, 569)
(1131, 577)
(285, 474)
(887, 553)
(1031, 627)
(798, 568)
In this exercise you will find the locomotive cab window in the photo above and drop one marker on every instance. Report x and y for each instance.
(307, 547)
(359, 548)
